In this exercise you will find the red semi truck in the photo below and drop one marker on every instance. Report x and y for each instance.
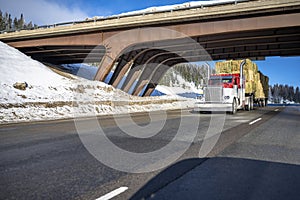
(236, 85)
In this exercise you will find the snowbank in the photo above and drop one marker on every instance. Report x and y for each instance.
(16, 67)
(52, 96)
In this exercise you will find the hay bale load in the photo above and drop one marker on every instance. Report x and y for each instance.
(233, 67)
(265, 84)
(262, 89)
(229, 90)
(256, 83)
(259, 92)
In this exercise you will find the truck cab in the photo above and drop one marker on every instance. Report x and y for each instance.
(227, 91)
(221, 94)
(237, 84)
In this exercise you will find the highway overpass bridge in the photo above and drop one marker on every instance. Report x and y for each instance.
(144, 46)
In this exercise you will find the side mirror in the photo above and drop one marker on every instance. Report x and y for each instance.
(234, 82)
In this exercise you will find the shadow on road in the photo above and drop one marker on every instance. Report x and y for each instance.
(224, 178)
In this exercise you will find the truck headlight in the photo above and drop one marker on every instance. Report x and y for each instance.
(226, 97)
(200, 97)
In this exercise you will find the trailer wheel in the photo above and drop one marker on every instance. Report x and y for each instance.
(259, 103)
(234, 107)
(263, 103)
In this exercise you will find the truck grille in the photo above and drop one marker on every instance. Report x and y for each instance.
(213, 94)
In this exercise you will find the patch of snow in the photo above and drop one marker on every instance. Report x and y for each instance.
(182, 88)
(16, 67)
(178, 6)
(52, 96)
(191, 4)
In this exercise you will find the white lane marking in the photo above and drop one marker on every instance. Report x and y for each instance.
(241, 121)
(254, 121)
(276, 110)
(113, 193)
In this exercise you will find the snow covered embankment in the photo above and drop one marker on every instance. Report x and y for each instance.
(49, 95)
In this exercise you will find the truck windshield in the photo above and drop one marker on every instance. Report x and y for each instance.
(220, 80)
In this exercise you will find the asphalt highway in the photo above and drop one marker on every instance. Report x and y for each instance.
(48, 160)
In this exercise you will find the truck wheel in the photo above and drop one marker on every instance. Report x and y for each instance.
(251, 103)
(234, 107)
(247, 107)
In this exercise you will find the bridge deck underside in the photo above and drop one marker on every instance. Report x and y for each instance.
(272, 42)
(57, 54)
(234, 45)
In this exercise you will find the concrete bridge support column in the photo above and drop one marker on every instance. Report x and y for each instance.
(159, 72)
(137, 69)
(149, 89)
(130, 82)
(117, 43)
(159, 59)
(122, 70)
(121, 74)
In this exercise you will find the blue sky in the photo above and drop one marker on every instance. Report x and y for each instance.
(280, 70)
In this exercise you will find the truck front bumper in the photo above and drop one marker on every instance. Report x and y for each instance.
(212, 107)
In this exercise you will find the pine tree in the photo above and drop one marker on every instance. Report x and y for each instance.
(21, 22)
(276, 93)
(29, 25)
(291, 93)
(297, 95)
(5, 21)
(2, 21)
(16, 24)
(9, 23)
